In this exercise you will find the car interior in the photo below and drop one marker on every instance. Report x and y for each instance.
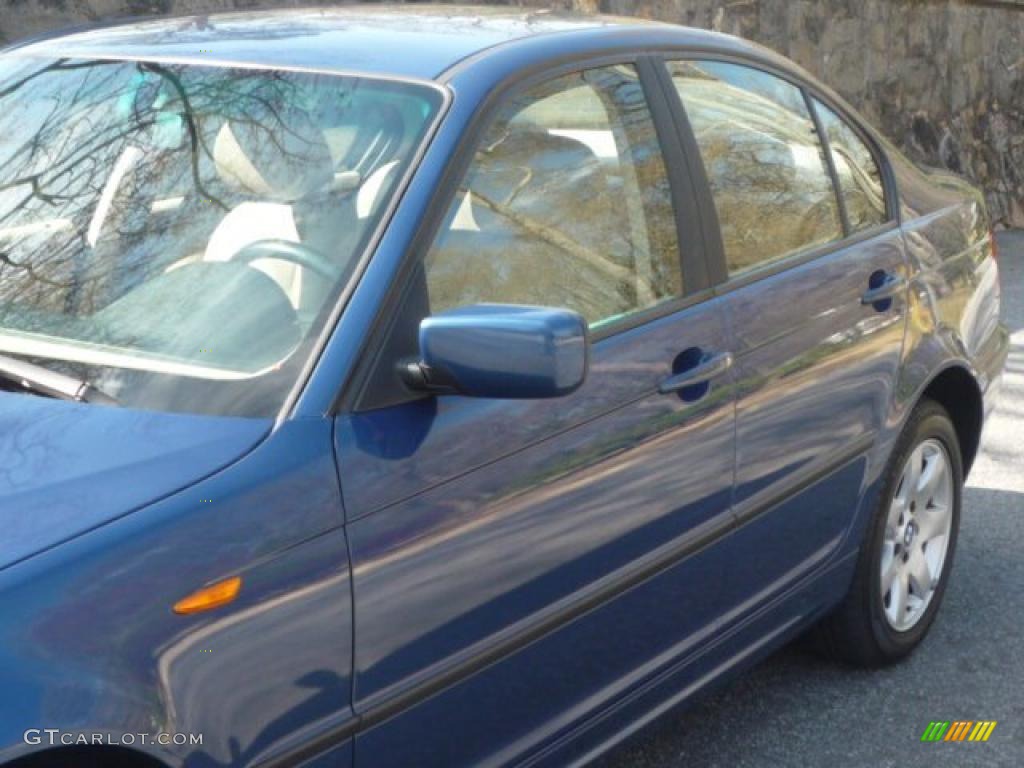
(189, 195)
(532, 198)
(548, 213)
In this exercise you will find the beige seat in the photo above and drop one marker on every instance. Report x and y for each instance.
(253, 220)
(270, 217)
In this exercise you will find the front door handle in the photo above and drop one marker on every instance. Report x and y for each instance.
(890, 286)
(699, 374)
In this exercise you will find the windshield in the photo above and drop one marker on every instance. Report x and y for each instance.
(176, 234)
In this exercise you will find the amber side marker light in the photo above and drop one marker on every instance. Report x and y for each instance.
(208, 598)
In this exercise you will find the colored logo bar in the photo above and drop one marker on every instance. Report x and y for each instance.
(958, 730)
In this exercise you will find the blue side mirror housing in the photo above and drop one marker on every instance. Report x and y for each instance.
(501, 351)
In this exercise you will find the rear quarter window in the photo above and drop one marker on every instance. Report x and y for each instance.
(860, 179)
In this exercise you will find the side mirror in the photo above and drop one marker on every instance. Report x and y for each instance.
(500, 350)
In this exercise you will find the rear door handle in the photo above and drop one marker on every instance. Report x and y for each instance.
(699, 374)
(890, 287)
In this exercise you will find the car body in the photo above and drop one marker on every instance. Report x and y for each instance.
(430, 575)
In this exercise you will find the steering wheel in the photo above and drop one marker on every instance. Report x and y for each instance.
(285, 250)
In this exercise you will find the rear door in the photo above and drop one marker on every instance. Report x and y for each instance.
(811, 268)
(504, 551)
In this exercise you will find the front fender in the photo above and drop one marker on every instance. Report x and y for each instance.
(69, 682)
(90, 644)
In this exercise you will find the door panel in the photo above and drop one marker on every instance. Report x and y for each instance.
(816, 367)
(521, 522)
(664, 639)
(525, 512)
(396, 453)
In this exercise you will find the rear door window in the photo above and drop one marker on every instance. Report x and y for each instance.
(764, 162)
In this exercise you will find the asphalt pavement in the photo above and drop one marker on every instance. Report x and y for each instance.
(798, 710)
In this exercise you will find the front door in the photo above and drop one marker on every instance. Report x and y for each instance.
(509, 556)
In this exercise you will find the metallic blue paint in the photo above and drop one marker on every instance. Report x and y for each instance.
(562, 496)
(70, 467)
(495, 350)
(817, 369)
(492, 581)
(88, 641)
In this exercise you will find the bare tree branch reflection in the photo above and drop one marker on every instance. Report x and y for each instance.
(129, 188)
(89, 113)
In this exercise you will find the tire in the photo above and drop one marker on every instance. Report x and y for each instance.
(871, 627)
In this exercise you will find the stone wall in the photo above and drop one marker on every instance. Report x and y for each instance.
(944, 79)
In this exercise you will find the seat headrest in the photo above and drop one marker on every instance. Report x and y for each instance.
(281, 164)
(376, 132)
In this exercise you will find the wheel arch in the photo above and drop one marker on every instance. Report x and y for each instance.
(956, 390)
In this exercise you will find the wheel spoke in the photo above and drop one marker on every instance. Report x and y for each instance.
(890, 568)
(896, 510)
(915, 606)
(920, 577)
(912, 474)
(902, 495)
(898, 598)
(935, 555)
(931, 479)
(932, 522)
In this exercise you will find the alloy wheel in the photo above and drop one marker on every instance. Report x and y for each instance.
(917, 534)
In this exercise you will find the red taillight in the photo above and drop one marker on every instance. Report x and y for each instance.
(995, 244)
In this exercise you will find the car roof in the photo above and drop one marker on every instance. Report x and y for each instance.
(406, 41)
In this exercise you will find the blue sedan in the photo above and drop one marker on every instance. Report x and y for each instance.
(391, 387)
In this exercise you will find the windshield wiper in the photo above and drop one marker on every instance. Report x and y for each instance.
(36, 378)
